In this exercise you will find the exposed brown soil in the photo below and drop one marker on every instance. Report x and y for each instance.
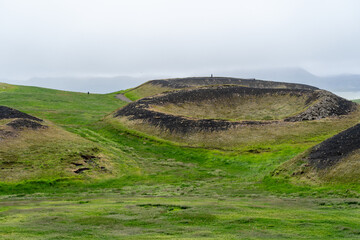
(178, 83)
(322, 104)
(332, 150)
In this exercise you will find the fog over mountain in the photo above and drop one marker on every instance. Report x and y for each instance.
(105, 45)
(336, 83)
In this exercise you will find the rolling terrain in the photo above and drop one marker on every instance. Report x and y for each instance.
(171, 189)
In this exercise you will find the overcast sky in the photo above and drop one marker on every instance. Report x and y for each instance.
(51, 38)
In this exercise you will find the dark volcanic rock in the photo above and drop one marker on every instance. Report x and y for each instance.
(324, 104)
(25, 123)
(205, 81)
(7, 113)
(206, 93)
(332, 150)
(139, 110)
(177, 123)
(328, 105)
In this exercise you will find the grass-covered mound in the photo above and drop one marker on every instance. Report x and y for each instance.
(33, 149)
(337, 159)
(159, 86)
(220, 116)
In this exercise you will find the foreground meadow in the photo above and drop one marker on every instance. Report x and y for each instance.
(165, 191)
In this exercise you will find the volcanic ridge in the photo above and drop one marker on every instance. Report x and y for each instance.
(220, 107)
(178, 83)
(159, 86)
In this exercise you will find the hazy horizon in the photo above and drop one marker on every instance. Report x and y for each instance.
(343, 85)
(92, 38)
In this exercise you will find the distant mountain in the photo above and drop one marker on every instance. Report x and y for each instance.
(337, 83)
(89, 84)
(345, 82)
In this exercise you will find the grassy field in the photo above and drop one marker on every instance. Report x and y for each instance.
(115, 216)
(166, 191)
(63, 108)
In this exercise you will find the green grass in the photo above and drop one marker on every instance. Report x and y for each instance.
(115, 216)
(61, 107)
(49, 154)
(163, 190)
(145, 90)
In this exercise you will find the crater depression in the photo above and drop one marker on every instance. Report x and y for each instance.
(221, 107)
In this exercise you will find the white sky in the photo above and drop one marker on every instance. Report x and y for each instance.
(119, 37)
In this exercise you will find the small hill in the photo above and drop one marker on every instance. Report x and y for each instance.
(159, 86)
(336, 160)
(232, 114)
(33, 149)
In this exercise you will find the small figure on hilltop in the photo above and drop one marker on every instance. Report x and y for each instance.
(88, 92)
(211, 76)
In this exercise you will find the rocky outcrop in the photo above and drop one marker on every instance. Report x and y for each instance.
(327, 105)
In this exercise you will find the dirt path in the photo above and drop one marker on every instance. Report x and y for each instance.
(122, 98)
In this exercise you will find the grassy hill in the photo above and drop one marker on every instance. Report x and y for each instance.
(48, 153)
(163, 190)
